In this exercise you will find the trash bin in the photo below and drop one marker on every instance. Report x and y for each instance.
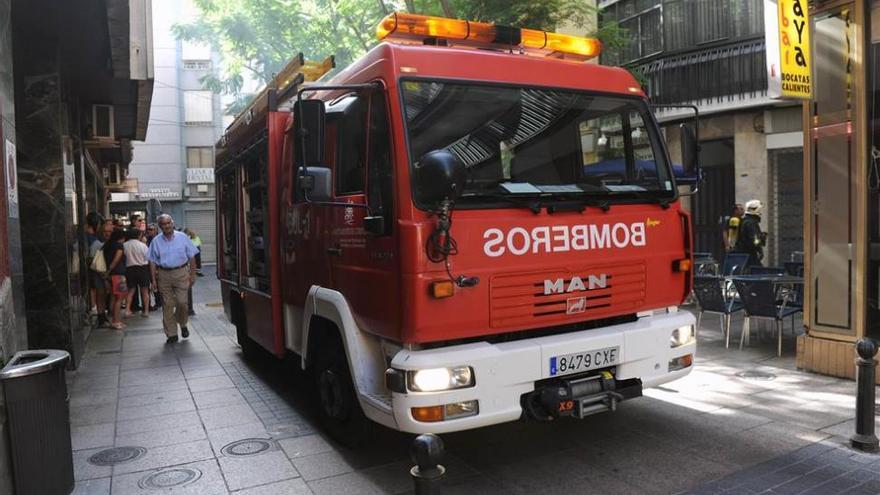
(39, 422)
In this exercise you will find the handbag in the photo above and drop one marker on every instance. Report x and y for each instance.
(99, 264)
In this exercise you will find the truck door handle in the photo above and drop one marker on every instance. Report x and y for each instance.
(336, 251)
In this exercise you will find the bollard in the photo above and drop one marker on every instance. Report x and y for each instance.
(426, 451)
(865, 439)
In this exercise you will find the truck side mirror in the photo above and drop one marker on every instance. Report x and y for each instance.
(315, 183)
(310, 118)
(690, 155)
(439, 176)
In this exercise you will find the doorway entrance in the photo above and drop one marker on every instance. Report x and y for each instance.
(716, 198)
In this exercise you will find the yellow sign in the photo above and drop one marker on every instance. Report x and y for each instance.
(794, 50)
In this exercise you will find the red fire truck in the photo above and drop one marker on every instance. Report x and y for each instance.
(467, 226)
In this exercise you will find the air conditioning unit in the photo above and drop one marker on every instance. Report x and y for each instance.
(103, 122)
(115, 174)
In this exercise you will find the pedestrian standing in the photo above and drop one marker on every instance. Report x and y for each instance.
(114, 256)
(173, 269)
(137, 271)
(750, 238)
(197, 242)
(94, 221)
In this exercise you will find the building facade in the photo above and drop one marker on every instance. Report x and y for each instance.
(75, 89)
(711, 53)
(175, 164)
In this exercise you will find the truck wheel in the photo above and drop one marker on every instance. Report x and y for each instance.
(338, 406)
(249, 348)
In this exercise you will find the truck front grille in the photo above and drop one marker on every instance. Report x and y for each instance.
(566, 295)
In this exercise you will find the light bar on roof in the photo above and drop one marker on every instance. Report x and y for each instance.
(420, 28)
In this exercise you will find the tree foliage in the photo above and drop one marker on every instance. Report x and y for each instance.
(256, 38)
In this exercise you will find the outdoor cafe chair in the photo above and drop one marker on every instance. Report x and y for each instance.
(712, 298)
(759, 300)
(766, 270)
(734, 264)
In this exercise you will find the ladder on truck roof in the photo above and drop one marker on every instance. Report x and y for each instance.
(281, 89)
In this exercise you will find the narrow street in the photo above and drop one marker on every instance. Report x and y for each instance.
(195, 418)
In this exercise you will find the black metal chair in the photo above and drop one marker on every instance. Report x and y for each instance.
(712, 298)
(766, 270)
(795, 268)
(759, 300)
(734, 264)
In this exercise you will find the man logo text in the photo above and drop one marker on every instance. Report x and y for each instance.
(576, 285)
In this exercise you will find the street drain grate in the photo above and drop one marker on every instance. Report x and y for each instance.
(246, 447)
(116, 455)
(760, 376)
(169, 478)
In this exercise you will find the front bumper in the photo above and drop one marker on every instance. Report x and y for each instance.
(505, 372)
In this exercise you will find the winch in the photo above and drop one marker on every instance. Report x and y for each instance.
(579, 397)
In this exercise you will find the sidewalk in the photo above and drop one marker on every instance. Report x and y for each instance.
(195, 418)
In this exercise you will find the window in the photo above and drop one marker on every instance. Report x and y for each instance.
(198, 107)
(350, 114)
(200, 157)
(380, 197)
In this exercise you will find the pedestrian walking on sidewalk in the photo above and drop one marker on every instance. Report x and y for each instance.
(114, 257)
(137, 271)
(173, 269)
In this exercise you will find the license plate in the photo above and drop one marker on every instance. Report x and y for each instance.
(568, 364)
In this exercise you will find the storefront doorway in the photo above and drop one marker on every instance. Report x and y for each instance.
(716, 198)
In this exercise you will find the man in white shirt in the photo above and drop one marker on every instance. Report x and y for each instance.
(137, 271)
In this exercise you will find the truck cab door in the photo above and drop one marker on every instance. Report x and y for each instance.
(364, 265)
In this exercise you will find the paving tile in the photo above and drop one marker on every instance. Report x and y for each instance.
(91, 415)
(164, 436)
(100, 486)
(295, 486)
(156, 409)
(90, 398)
(154, 397)
(84, 470)
(319, 466)
(209, 481)
(305, 446)
(169, 455)
(88, 384)
(209, 383)
(92, 436)
(248, 471)
(202, 372)
(151, 388)
(219, 397)
(222, 417)
(166, 422)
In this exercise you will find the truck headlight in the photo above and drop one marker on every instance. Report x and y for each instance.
(682, 336)
(437, 379)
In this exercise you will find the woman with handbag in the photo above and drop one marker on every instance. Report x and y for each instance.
(114, 256)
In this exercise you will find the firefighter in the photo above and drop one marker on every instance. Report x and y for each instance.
(751, 239)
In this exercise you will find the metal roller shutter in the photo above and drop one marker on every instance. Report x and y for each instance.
(203, 223)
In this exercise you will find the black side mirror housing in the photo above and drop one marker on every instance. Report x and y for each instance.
(375, 225)
(315, 183)
(690, 155)
(439, 176)
(310, 117)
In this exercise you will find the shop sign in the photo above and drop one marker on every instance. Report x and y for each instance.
(787, 31)
(159, 192)
(200, 176)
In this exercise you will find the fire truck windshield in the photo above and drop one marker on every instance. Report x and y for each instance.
(543, 142)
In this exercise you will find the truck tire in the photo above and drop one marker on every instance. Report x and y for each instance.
(337, 402)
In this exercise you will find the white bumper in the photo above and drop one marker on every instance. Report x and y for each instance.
(504, 372)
